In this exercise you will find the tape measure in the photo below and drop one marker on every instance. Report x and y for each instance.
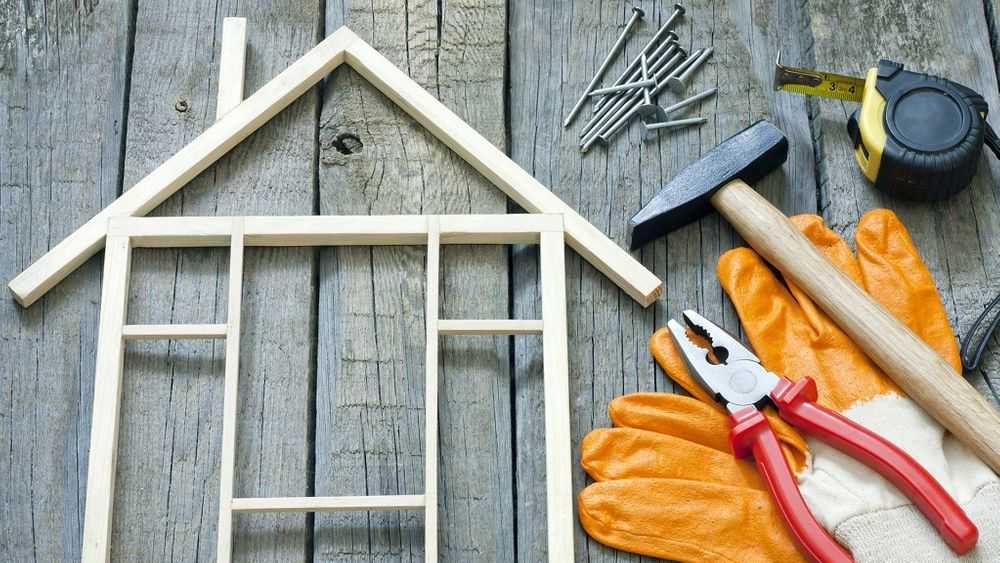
(916, 135)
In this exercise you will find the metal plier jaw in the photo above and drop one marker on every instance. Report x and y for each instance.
(738, 379)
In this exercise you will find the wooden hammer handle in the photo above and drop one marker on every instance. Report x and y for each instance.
(912, 364)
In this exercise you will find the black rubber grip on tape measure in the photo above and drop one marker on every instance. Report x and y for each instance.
(935, 130)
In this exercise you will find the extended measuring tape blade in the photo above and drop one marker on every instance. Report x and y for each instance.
(817, 83)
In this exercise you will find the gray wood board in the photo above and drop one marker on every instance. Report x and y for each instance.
(374, 159)
(558, 52)
(169, 451)
(332, 378)
(63, 72)
(958, 238)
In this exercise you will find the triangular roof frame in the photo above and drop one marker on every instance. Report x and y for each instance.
(343, 46)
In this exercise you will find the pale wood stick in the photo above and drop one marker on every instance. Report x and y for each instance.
(485, 327)
(107, 403)
(333, 230)
(925, 376)
(173, 332)
(231, 385)
(431, 392)
(328, 504)
(232, 65)
(558, 457)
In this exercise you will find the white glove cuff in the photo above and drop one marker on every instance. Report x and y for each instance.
(903, 534)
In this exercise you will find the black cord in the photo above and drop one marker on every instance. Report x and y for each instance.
(977, 345)
(973, 347)
(992, 141)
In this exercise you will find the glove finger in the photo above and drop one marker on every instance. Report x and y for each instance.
(686, 521)
(794, 338)
(897, 277)
(626, 453)
(831, 244)
(661, 345)
(676, 415)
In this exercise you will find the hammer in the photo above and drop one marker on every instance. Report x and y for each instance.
(719, 180)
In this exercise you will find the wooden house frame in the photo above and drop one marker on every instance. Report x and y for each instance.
(119, 228)
(127, 233)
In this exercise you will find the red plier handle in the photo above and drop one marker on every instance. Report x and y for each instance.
(796, 403)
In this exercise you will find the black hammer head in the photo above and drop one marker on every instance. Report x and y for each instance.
(748, 155)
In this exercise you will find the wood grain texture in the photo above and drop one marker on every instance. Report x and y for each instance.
(171, 446)
(958, 238)
(557, 52)
(63, 77)
(374, 159)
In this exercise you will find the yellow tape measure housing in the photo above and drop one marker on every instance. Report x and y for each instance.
(916, 135)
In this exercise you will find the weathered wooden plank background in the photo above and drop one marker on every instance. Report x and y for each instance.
(94, 94)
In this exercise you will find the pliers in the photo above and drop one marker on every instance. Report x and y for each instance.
(734, 376)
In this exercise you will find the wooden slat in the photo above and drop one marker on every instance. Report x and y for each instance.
(173, 332)
(493, 229)
(232, 65)
(558, 458)
(103, 455)
(484, 327)
(329, 504)
(431, 391)
(231, 386)
(335, 230)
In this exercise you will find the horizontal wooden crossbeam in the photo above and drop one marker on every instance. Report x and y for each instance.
(334, 230)
(173, 332)
(486, 327)
(328, 504)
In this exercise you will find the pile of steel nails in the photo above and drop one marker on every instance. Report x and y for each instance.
(659, 65)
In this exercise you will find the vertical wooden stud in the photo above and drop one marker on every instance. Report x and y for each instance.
(229, 400)
(431, 393)
(559, 476)
(232, 65)
(107, 401)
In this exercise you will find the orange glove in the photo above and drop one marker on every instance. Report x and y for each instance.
(667, 484)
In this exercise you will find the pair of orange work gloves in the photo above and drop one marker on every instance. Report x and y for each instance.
(667, 484)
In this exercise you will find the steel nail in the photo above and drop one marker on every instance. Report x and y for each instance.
(621, 112)
(610, 112)
(623, 87)
(691, 100)
(617, 122)
(647, 109)
(678, 83)
(631, 72)
(664, 31)
(650, 130)
(619, 44)
(655, 59)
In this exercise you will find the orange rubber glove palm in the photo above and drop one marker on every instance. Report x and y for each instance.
(667, 484)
